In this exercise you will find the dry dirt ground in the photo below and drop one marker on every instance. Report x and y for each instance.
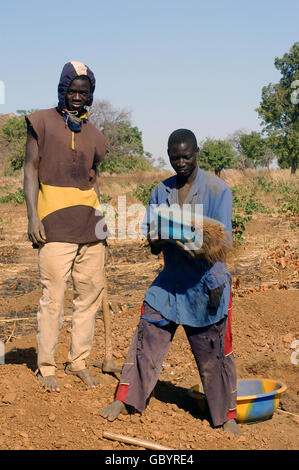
(265, 323)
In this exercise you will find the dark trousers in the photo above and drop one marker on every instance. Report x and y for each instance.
(148, 349)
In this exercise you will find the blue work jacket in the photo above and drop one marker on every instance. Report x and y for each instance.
(180, 292)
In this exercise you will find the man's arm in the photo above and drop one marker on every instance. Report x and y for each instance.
(36, 231)
(99, 156)
(149, 227)
(222, 210)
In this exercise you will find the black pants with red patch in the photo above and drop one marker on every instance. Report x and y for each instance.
(212, 350)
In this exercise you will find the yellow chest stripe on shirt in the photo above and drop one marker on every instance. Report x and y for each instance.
(54, 198)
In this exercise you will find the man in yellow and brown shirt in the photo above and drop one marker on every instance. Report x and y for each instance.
(62, 154)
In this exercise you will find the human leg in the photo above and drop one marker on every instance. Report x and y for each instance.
(143, 363)
(88, 281)
(231, 425)
(207, 345)
(55, 261)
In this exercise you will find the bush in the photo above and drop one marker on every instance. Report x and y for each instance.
(127, 164)
(290, 203)
(15, 132)
(104, 199)
(217, 155)
(143, 192)
(238, 227)
(16, 198)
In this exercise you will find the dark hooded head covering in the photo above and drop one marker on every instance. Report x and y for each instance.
(70, 71)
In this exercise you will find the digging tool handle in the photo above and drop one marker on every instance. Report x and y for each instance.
(107, 322)
(133, 441)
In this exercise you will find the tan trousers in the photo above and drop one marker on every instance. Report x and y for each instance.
(85, 264)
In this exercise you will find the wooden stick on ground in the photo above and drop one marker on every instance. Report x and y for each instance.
(8, 320)
(108, 364)
(133, 441)
(287, 412)
(107, 322)
(11, 334)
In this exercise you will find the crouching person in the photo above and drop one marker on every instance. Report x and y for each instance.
(193, 290)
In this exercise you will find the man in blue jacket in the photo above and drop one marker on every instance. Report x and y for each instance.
(189, 291)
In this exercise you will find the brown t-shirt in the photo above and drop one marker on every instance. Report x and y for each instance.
(67, 201)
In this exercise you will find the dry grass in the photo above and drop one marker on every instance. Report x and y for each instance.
(236, 177)
(124, 184)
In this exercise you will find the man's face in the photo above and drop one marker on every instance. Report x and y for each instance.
(182, 158)
(77, 94)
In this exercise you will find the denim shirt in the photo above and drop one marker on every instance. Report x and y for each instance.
(179, 293)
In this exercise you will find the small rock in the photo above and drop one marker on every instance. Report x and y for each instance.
(9, 398)
(135, 418)
(98, 433)
(117, 355)
(288, 338)
(158, 435)
(242, 439)
(52, 417)
(67, 386)
(122, 417)
(24, 434)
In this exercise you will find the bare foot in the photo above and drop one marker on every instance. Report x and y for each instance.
(49, 382)
(110, 366)
(112, 411)
(231, 426)
(84, 375)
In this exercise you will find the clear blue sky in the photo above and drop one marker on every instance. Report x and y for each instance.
(193, 63)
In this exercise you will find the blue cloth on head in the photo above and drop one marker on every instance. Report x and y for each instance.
(68, 74)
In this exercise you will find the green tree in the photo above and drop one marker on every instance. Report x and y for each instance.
(278, 110)
(14, 132)
(124, 139)
(253, 147)
(234, 140)
(216, 155)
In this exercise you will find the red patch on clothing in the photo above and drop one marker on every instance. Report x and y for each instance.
(228, 340)
(231, 415)
(122, 392)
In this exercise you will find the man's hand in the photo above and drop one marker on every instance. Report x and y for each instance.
(155, 241)
(156, 245)
(36, 231)
(190, 249)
